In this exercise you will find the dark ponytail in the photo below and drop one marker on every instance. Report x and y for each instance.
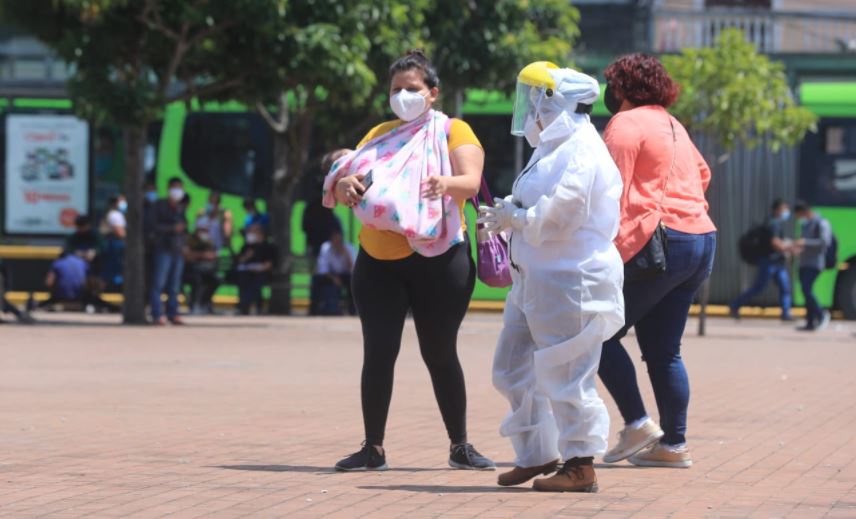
(416, 59)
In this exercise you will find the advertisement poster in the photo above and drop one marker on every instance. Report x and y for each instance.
(47, 173)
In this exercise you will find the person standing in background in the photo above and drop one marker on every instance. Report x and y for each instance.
(815, 240)
(773, 264)
(113, 231)
(170, 227)
(150, 198)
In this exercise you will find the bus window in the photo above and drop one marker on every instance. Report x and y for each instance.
(835, 139)
(844, 180)
(228, 152)
(828, 164)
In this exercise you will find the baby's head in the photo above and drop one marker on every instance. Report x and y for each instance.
(329, 158)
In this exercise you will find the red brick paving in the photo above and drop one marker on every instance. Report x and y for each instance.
(243, 417)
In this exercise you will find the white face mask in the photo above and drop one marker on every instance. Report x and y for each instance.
(176, 194)
(531, 131)
(253, 238)
(408, 105)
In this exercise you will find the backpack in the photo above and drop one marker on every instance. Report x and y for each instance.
(830, 255)
(830, 259)
(754, 244)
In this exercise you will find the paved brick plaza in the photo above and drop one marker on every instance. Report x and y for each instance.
(232, 417)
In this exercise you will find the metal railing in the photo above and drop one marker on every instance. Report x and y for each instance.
(771, 31)
(25, 59)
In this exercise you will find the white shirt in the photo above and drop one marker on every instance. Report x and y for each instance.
(115, 218)
(329, 262)
(215, 228)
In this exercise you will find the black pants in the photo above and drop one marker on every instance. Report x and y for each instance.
(437, 291)
(203, 284)
(88, 298)
(814, 312)
(250, 286)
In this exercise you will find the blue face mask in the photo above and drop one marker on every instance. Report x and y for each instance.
(785, 216)
(152, 196)
(123, 206)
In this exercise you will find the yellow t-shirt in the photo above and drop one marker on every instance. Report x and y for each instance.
(390, 245)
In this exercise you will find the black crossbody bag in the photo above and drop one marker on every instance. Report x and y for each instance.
(650, 262)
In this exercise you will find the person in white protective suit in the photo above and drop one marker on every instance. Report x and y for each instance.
(566, 298)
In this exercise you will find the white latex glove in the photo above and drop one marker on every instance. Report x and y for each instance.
(501, 216)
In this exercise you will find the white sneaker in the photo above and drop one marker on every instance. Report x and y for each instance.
(631, 441)
(660, 455)
(824, 320)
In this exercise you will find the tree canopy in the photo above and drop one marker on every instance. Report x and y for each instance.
(735, 94)
(485, 44)
(312, 68)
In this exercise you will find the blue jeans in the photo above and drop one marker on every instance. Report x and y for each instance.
(779, 273)
(166, 277)
(658, 308)
(814, 313)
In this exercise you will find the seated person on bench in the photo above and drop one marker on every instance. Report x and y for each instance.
(69, 282)
(331, 283)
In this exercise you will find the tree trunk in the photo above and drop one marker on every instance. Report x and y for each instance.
(134, 311)
(290, 153)
(452, 102)
(279, 210)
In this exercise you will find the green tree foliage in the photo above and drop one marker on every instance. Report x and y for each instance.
(317, 71)
(314, 69)
(483, 44)
(131, 58)
(321, 72)
(734, 94)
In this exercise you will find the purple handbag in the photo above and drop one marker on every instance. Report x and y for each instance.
(492, 251)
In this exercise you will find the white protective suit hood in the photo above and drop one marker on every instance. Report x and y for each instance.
(548, 104)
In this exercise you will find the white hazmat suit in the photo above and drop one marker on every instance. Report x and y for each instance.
(566, 299)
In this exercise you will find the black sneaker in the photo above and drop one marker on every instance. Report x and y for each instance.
(465, 457)
(366, 458)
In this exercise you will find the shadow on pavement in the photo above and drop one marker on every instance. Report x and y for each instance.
(318, 470)
(448, 489)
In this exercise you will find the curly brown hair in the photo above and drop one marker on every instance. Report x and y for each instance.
(642, 80)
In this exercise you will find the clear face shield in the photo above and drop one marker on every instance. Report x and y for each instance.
(525, 106)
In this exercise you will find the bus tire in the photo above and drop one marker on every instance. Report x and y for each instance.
(847, 293)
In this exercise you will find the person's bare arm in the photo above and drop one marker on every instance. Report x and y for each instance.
(781, 245)
(467, 165)
(228, 227)
(119, 231)
(50, 279)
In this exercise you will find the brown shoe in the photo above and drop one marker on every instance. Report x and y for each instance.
(519, 475)
(576, 475)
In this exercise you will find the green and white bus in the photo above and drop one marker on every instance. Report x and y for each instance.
(227, 148)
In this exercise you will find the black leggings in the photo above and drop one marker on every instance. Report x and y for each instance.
(437, 291)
